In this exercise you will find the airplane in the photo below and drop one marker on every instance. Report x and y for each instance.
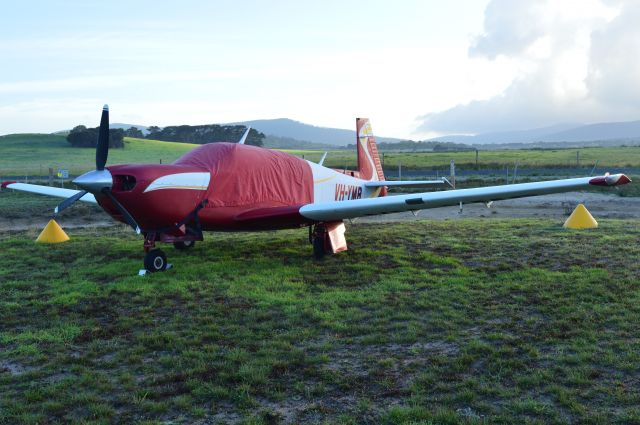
(238, 187)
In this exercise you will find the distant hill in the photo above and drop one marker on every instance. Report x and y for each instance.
(286, 128)
(142, 128)
(601, 131)
(284, 133)
(615, 131)
(275, 142)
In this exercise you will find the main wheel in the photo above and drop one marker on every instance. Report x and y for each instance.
(318, 248)
(155, 261)
(184, 245)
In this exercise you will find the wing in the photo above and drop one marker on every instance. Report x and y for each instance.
(48, 190)
(332, 211)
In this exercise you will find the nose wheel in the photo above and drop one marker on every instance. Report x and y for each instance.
(155, 261)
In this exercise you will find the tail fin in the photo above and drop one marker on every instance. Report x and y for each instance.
(369, 166)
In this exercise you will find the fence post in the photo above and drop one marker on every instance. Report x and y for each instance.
(452, 173)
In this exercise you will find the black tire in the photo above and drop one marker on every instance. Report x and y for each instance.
(181, 246)
(318, 248)
(155, 261)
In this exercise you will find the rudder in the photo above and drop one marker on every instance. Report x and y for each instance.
(369, 166)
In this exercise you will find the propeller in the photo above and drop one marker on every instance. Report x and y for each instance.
(69, 201)
(93, 181)
(102, 148)
(128, 217)
(99, 181)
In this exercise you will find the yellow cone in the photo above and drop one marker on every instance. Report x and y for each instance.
(52, 233)
(581, 218)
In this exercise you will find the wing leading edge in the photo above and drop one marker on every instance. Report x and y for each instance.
(332, 211)
(58, 192)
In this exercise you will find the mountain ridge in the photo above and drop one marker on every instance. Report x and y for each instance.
(288, 128)
(558, 133)
(288, 133)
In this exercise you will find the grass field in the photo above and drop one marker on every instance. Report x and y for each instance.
(614, 157)
(26, 154)
(33, 154)
(477, 321)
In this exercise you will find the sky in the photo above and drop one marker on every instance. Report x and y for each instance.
(417, 69)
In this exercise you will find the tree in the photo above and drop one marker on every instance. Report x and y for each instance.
(83, 137)
(201, 134)
(134, 132)
(152, 131)
(255, 138)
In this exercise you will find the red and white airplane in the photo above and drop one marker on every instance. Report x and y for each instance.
(237, 187)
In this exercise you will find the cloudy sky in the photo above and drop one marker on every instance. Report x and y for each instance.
(416, 68)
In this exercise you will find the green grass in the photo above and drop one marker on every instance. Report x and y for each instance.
(476, 321)
(614, 157)
(33, 154)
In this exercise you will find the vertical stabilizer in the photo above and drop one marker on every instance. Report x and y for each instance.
(369, 166)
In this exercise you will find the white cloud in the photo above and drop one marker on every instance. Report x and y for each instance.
(575, 62)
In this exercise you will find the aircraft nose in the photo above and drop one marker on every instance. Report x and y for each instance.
(95, 181)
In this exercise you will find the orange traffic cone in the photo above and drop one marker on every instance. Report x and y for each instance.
(52, 233)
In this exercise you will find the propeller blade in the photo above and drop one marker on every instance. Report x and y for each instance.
(128, 217)
(69, 201)
(102, 149)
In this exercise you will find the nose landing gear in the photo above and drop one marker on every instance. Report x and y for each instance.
(155, 261)
(182, 235)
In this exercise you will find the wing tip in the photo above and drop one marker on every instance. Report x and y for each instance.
(610, 180)
(4, 185)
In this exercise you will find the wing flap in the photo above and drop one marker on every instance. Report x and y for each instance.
(331, 211)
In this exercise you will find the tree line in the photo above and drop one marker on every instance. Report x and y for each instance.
(82, 136)
(201, 134)
(410, 145)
